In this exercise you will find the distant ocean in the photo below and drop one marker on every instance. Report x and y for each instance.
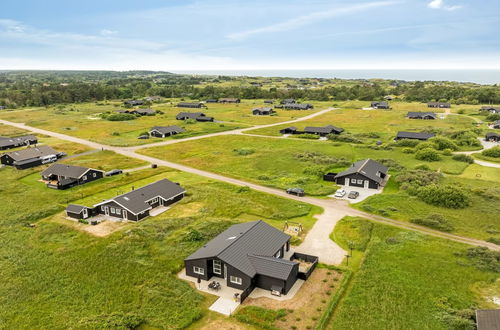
(488, 77)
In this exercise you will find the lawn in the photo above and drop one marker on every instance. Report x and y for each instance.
(54, 276)
(386, 123)
(480, 220)
(408, 280)
(104, 160)
(275, 162)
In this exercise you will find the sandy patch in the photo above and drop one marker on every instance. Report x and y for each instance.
(308, 304)
(222, 324)
(104, 228)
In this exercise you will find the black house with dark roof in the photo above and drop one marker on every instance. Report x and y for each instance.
(490, 109)
(421, 115)
(134, 103)
(492, 137)
(63, 176)
(246, 256)
(488, 319)
(264, 111)
(198, 116)
(194, 105)
(496, 124)
(164, 131)
(135, 205)
(289, 130)
(324, 130)
(364, 173)
(18, 141)
(30, 157)
(438, 105)
(288, 101)
(295, 106)
(380, 105)
(413, 136)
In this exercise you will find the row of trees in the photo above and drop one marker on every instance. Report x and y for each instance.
(46, 88)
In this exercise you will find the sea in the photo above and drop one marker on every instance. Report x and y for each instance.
(484, 77)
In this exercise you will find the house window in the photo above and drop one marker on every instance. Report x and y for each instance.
(198, 270)
(84, 177)
(112, 210)
(118, 211)
(360, 181)
(217, 267)
(278, 254)
(93, 174)
(235, 280)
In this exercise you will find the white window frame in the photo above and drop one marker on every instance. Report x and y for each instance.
(235, 280)
(84, 177)
(113, 210)
(94, 175)
(218, 269)
(198, 270)
(360, 181)
(118, 211)
(278, 254)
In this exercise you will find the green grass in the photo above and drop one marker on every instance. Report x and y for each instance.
(274, 163)
(105, 160)
(408, 281)
(480, 156)
(480, 220)
(54, 276)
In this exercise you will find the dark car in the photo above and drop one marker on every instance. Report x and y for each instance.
(143, 137)
(295, 191)
(353, 195)
(114, 172)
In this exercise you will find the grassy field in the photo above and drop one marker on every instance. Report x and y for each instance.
(54, 276)
(386, 123)
(275, 162)
(104, 160)
(480, 220)
(407, 280)
(83, 120)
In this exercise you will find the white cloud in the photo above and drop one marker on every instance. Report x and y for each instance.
(106, 32)
(311, 18)
(439, 4)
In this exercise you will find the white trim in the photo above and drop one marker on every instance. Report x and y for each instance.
(219, 263)
(198, 270)
(235, 280)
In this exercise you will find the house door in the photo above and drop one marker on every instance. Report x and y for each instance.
(346, 181)
(85, 213)
(225, 272)
(366, 184)
(106, 210)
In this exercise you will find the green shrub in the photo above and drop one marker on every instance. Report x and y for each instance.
(435, 221)
(116, 134)
(344, 138)
(485, 258)
(492, 152)
(115, 320)
(120, 117)
(428, 155)
(446, 196)
(423, 167)
(408, 150)
(463, 158)
(314, 170)
(447, 152)
(493, 117)
(319, 158)
(425, 145)
(244, 151)
(407, 143)
(442, 143)
(392, 164)
(309, 136)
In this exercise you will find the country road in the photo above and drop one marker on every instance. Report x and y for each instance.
(486, 145)
(317, 240)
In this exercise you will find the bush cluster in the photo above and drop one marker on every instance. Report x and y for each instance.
(442, 143)
(435, 221)
(244, 151)
(414, 179)
(492, 152)
(428, 155)
(345, 138)
(322, 159)
(463, 158)
(309, 136)
(448, 196)
(118, 116)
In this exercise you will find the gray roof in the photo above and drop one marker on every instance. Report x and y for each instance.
(189, 104)
(135, 201)
(379, 104)
(145, 111)
(366, 167)
(325, 129)
(74, 208)
(238, 242)
(18, 140)
(266, 109)
(487, 107)
(414, 135)
(271, 266)
(413, 114)
(167, 129)
(488, 319)
(30, 153)
(68, 171)
(439, 104)
(191, 115)
(299, 106)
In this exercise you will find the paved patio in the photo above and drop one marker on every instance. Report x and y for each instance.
(224, 306)
(158, 211)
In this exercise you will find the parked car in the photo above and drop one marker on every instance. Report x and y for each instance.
(143, 137)
(295, 191)
(353, 195)
(113, 172)
(340, 193)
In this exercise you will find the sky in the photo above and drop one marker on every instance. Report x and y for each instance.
(173, 35)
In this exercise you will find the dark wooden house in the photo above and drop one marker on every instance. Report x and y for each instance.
(246, 256)
(268, 101)
(264, 111)
(490, 109)
(380, 105)
(31, 157)
(421, 115)
(288, 101)
(134, 103)
(229, 100)
(492, 137)
(323, 131)
(289, 130)
(135, 205)
(165, 131)
(198, 116)
(438, 105)
(193, 105)
(211, 101)
(296, 106)
(496, 124)
(364, 173)
(62, 176)
(413, 136)
(18, 141)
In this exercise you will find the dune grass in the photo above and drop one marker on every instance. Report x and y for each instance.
(408, 280)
